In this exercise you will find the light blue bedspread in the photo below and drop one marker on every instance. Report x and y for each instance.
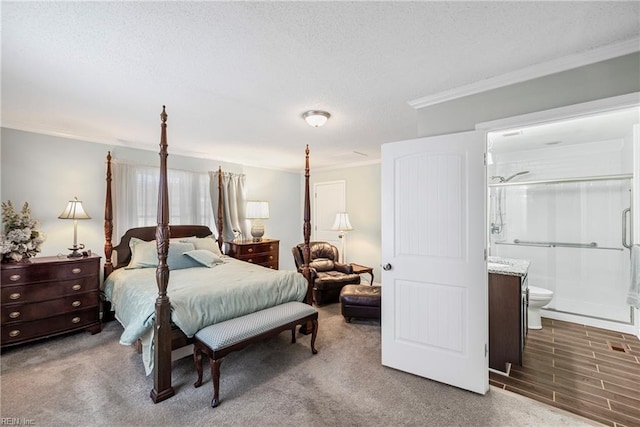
(199, 296)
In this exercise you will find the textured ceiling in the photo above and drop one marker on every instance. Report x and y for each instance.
(236, 76)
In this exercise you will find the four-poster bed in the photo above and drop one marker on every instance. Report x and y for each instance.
(155, 322)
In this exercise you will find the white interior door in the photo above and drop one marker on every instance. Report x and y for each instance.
(329, 199)
(434, 294)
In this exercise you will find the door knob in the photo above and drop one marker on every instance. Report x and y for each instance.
(386, 267)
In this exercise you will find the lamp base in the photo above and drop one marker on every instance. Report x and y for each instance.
(257, 230)
(74, 251)
(74, 254)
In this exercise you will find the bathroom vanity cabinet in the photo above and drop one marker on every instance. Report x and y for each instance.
(508, 303)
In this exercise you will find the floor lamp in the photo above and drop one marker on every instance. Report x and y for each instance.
(343, 225)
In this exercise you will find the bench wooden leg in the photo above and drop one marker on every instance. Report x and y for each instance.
(215, 376)
(293, 334)
(314, 334)
(197, 360)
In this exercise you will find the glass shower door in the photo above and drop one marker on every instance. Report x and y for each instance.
(572, 234)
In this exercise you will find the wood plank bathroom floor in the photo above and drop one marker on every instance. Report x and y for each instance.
(591, 372)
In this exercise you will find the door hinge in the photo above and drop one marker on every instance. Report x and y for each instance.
(485, 159)
(486, 350)
(485, 254)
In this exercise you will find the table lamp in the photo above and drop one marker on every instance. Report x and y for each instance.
(74, 211)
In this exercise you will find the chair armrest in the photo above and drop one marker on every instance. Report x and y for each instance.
(312, 272)
(343, 268)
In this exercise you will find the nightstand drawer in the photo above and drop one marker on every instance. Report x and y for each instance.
(260, 258)
(48, 290)
(21, 332)
(15, 313)
(256, 248)
(265, 252)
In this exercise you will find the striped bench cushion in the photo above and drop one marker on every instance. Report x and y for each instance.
(232, 331)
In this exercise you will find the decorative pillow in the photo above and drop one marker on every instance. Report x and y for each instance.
(204, 257)
(322, 264)
(208, 243)
(145, 255)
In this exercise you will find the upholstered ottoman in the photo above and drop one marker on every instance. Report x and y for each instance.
(360, 301)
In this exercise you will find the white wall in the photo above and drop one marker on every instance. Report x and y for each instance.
(363, 206)
(47, 171)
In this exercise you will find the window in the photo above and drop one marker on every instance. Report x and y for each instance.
(136, 197)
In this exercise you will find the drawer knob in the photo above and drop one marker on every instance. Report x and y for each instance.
(14, 333)
(76, 270)
(76, 304)
(250, 260)
(270, 256)
(76, 287)
(270, 247)
(14, 314)
(14, 277)
(15, 295)
(250, 250)
(75, 320)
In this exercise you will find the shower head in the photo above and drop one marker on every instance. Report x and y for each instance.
(513, 176)
(499, 178)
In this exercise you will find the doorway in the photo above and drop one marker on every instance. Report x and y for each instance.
(560, 196)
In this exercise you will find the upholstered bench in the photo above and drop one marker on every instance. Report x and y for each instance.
(360, 301)
(220, 339)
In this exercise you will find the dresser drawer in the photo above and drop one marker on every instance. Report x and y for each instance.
(258, 248)
(20, 332)
(48, 290)
(39, 310)
(39, 271)
(260, 258)
(272, 265)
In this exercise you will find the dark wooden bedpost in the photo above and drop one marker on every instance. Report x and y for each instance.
(108, 246)
(162, 349)
(108, 222)
(306, 230)
(219, 224)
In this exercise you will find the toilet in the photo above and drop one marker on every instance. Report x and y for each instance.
(538, 298)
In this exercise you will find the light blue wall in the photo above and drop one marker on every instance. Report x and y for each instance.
(47, 171)
(363, 206)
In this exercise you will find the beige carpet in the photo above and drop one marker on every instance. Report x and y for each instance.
(89, 380)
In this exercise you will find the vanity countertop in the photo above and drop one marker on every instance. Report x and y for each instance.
(508, 266)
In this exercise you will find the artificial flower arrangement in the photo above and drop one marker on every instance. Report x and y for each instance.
(20, 239)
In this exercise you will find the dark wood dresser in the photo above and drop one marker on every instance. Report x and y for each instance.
(263, 253)
(49, 296)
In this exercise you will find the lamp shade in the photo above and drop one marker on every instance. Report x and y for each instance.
(74, 210)
(341, 222)
(316, 118)
(257, 210)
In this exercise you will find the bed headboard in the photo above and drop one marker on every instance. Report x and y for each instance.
(149, 233)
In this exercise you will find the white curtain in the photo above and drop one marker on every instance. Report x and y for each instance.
(135, 198)
(234, 202)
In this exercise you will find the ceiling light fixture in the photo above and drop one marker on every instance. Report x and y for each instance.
(316, 118)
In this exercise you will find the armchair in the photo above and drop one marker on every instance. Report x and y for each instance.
(327, 274)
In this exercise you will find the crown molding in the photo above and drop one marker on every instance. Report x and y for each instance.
(532, 72)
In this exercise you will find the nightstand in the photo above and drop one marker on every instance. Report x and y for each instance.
(49, 296)
(264, 252)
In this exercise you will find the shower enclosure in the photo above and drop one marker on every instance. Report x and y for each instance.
(576, 234)
(560, 196)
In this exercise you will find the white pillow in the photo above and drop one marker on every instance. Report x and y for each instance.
(207, 243)
(204, 257)
(145, 255)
